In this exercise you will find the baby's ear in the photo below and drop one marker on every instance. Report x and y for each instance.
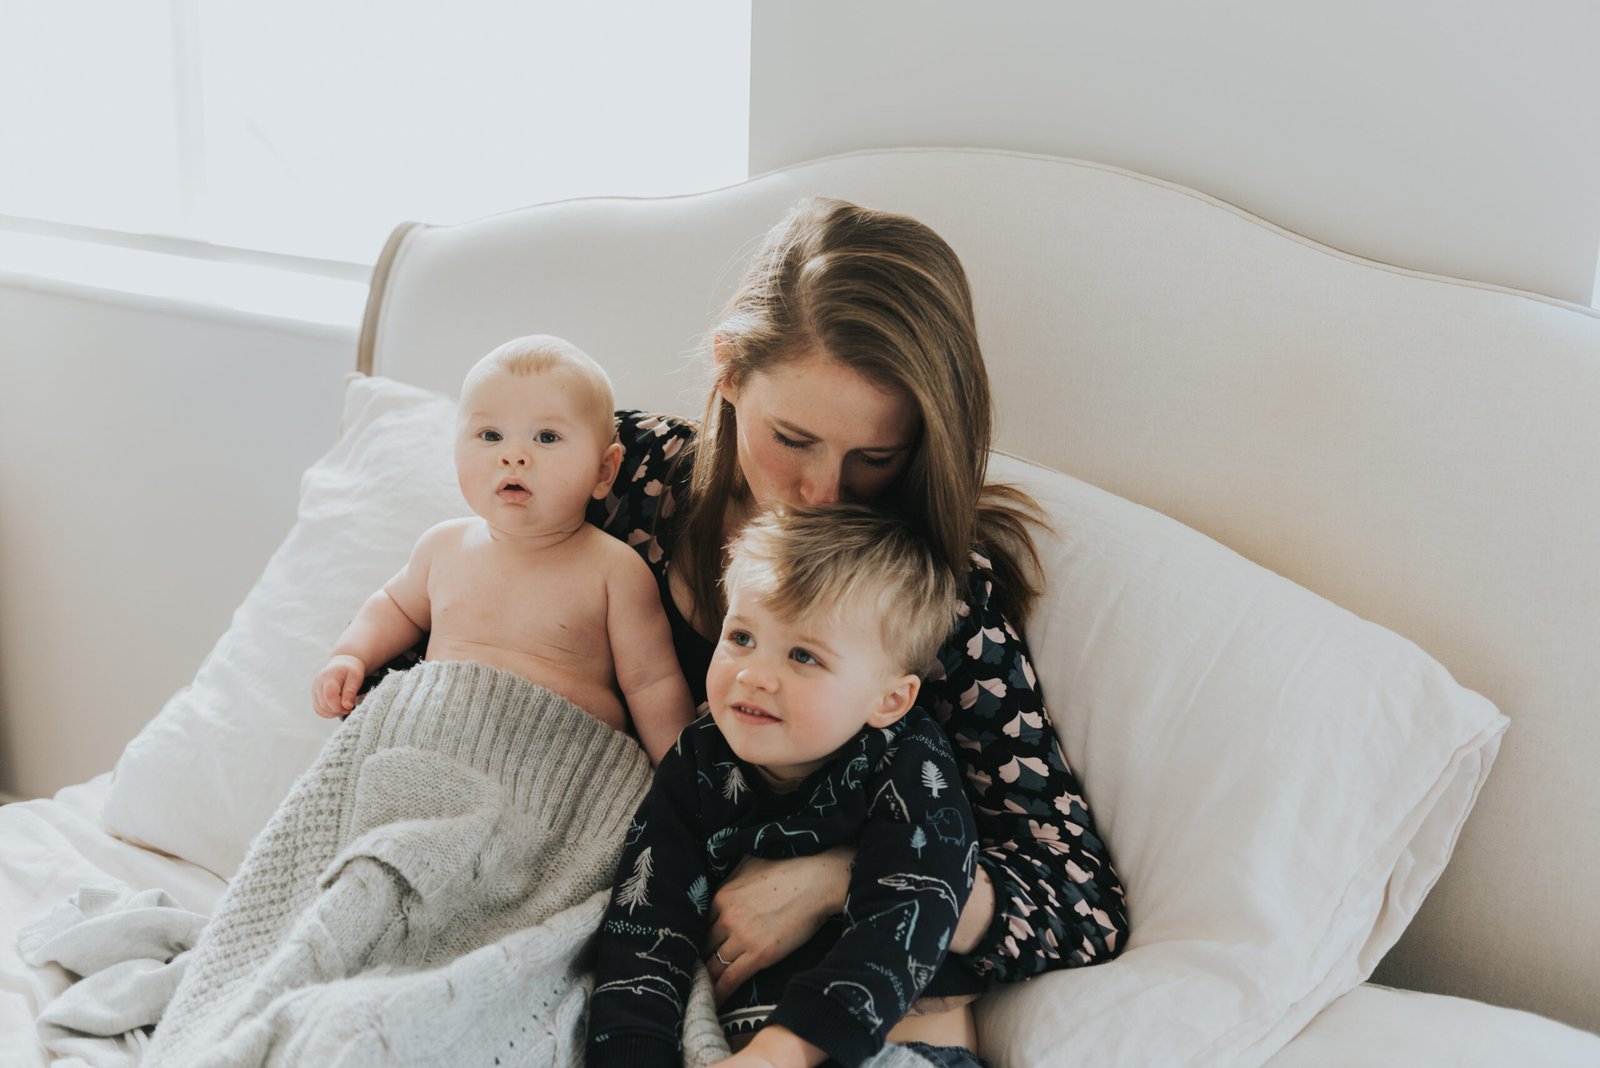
(896, 701)
(610, 461)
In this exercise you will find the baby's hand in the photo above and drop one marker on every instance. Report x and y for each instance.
(333, 691)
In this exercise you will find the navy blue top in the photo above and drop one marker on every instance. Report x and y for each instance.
(893, 793)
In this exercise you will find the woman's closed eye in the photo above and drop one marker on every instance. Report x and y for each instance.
(788, 442)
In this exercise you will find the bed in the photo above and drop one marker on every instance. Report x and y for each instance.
(1324, 599)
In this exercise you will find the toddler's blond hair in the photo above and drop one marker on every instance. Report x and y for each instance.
(840, 558)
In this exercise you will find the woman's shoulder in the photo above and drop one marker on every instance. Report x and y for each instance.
(652, 444)
(979, 588)
(653, 433)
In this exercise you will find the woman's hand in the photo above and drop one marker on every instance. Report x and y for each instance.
(770, 908)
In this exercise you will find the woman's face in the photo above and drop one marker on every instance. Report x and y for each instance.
(813, 431)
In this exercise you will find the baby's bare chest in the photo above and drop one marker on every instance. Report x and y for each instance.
(540, 604)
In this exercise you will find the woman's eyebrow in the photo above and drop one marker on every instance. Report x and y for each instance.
(792, 430)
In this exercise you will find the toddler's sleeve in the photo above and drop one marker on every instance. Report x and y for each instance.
(648, 945)
(909, 882)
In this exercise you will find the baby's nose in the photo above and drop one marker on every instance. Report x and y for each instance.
(517, 459)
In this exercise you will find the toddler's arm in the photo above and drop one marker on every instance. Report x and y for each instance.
(641, 648)
(388, 624)
(911, 877)
(648, 945)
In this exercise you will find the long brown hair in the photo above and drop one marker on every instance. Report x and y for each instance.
(885, 296)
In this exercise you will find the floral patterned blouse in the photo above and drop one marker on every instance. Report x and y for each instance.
(1058, 902)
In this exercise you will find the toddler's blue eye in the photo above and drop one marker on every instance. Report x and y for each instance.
(490, 436)
(741, 638)
(802, 656)
(548, 437)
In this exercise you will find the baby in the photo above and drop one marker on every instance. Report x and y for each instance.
(813, 741)
(525, 584)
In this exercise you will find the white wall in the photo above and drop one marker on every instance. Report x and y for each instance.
(1456, 137)
(149, 464)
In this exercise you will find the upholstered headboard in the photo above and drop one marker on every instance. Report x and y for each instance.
(1421, 450)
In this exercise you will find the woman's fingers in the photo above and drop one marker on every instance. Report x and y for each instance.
(733, 976)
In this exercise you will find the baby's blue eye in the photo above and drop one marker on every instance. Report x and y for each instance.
(802, 656)
(548, 437)
(490, 436)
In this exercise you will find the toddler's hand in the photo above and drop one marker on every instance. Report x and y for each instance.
(744, 1059)
(333, 691)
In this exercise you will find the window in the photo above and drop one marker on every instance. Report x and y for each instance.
(311, 127)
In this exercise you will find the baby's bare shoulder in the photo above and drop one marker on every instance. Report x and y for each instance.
(619, 559)
(446, 537)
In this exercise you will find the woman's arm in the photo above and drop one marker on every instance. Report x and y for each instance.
(1057, 899)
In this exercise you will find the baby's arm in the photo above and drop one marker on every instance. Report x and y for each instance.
(641, 648)
(388, 624)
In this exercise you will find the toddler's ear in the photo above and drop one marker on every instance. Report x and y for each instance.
(610, 461)
(896, 701)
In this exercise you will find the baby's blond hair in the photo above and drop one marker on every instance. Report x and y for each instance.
(540, 353)
(839, 558)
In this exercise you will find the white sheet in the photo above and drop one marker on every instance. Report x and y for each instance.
(49, 849)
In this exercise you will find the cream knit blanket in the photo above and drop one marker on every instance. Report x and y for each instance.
(427, 892)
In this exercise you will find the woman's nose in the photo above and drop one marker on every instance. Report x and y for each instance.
(821, 485)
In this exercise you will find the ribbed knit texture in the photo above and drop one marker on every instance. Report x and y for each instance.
(427, 891)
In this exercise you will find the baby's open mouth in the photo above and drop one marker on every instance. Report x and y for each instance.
(513, 491)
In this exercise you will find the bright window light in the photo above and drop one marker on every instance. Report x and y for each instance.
(312, 127)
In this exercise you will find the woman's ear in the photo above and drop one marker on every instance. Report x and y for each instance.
(727, 381)
(896, 701)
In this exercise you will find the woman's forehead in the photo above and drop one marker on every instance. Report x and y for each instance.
(822, 397)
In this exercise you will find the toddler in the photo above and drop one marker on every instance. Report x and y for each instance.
(525, 584)
(813, 741)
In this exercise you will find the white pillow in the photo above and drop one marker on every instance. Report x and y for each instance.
(1280, 783)
(204, 775)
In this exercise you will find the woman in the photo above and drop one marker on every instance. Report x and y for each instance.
(847, 367)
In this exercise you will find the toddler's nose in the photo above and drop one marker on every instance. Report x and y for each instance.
(756, 677)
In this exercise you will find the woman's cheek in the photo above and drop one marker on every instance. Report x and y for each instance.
(770, 474)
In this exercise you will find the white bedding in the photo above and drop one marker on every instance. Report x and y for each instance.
(51, 848)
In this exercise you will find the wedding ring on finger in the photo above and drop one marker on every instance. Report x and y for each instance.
(724, 963)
